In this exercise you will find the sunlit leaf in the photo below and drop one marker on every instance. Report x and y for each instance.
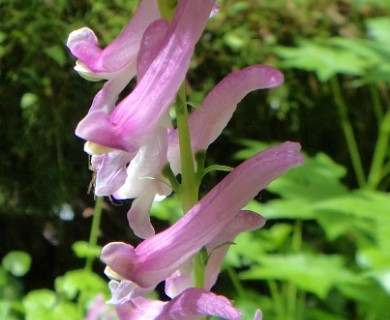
(379, 28)
(314, 273)
(17, 263)
(83, 249)
(76, 281)
(323, 58)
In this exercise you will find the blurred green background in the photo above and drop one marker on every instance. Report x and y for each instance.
(325, 251)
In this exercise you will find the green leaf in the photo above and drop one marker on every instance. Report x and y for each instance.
(83, 249)
(378, 28)
(251, 148)
(367, 294)
(57, 54)
(324, 58)
(37, 303)
(317, 178)
(17, 263)
(28, 100)
(44, 305)
(168, 209)
(314, 273)
(316, 314)
(5, 310)
(76, 281)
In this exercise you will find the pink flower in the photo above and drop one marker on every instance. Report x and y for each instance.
(216, 249)
(159, 256)
(211, 117)
(143, 180)
(99, 310)
(190, 305)
(121, 54)
(163, 60)
(116, 63)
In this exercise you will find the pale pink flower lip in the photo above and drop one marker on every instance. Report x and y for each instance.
(123, 51)
(159, 256)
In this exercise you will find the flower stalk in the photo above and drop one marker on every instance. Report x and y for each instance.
(94, 233)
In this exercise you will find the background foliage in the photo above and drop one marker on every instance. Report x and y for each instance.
(325, 251)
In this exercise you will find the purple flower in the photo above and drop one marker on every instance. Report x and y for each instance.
(117, 62)
(99, 310)
(211, 117)
(120, 55)
(159, 256)
(163, 60)
(143, 180)
(216, 249)
(191, 304)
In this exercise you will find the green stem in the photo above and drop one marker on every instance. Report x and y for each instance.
(93, 236)
(376, 102)
(167, 8)
(198, 271)
(381, 147)
(277, 299)
(236, 283)
(188, 192)
(348, 132)
(386, 169)
(291, 289)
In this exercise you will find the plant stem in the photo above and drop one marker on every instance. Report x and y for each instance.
(236, 282)
(291, 290)
(188, 192)
(93, 236)
(277, 299)
(348, 132)
(381, 147)
(376, 103)
(167, 8)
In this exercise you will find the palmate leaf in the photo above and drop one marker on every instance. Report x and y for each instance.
(375, 53)
(313, 273)
(77, 281)
(368, 295)
(43, 304)
(323, 58)
(302, 188)
(318, 178)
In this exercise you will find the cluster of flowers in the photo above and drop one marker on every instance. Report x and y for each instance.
(134, 138)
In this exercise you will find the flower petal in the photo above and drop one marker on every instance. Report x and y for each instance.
(207, 122)
(181, 279)
(122, 51)
(138, 215)
(217, 248)
(126, 290)
(258, 315)
(151, 44)
(110, 171)
(190, 305)
(132, 122)
(159, 256)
